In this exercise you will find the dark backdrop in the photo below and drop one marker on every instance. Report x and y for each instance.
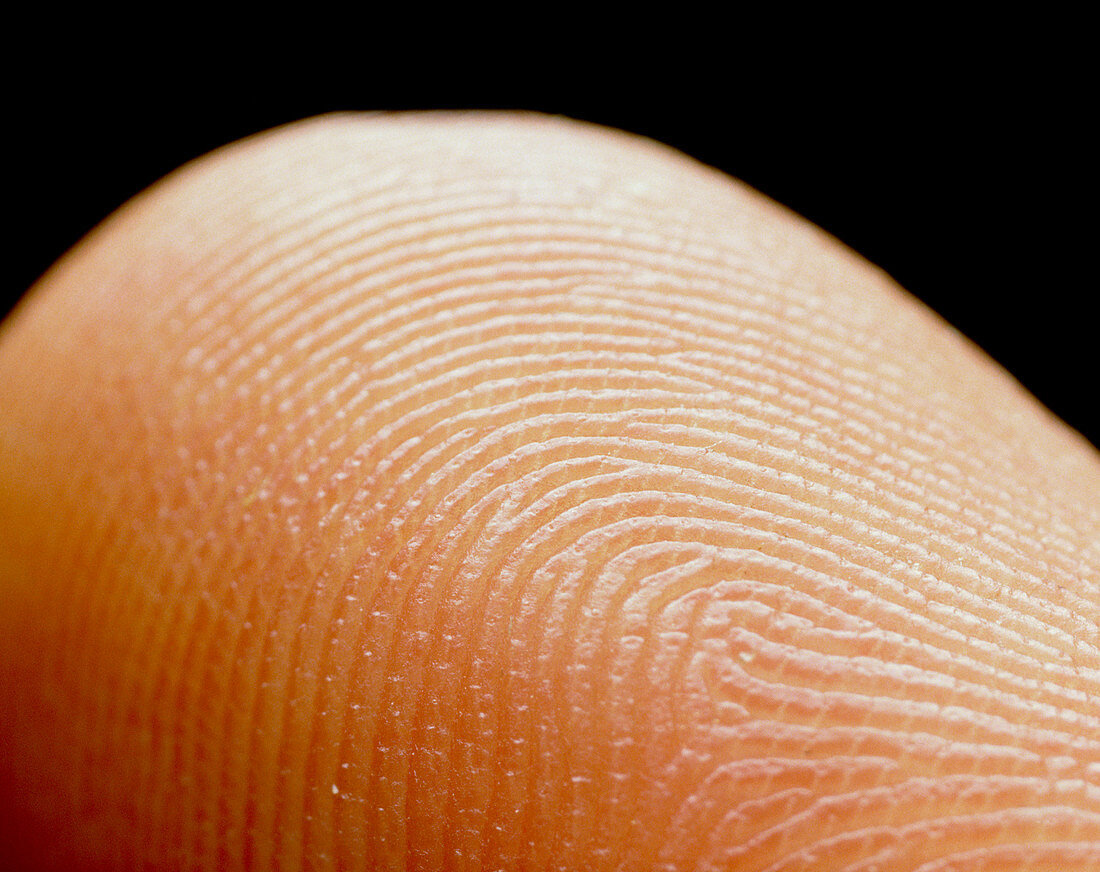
(963, 176)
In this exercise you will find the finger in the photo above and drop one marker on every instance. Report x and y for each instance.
(484, 492)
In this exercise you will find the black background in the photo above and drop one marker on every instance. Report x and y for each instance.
(960, 164)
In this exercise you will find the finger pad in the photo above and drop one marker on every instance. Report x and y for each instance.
(471, 493)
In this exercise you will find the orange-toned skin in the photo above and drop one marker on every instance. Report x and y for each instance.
(477, 493)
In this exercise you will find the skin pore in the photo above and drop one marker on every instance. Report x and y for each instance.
(498, 492)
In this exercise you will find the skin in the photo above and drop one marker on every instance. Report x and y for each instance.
(498, 492)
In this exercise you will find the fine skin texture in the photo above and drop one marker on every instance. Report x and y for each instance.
(495, 492)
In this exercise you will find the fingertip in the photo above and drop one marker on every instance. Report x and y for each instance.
(442, 489)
